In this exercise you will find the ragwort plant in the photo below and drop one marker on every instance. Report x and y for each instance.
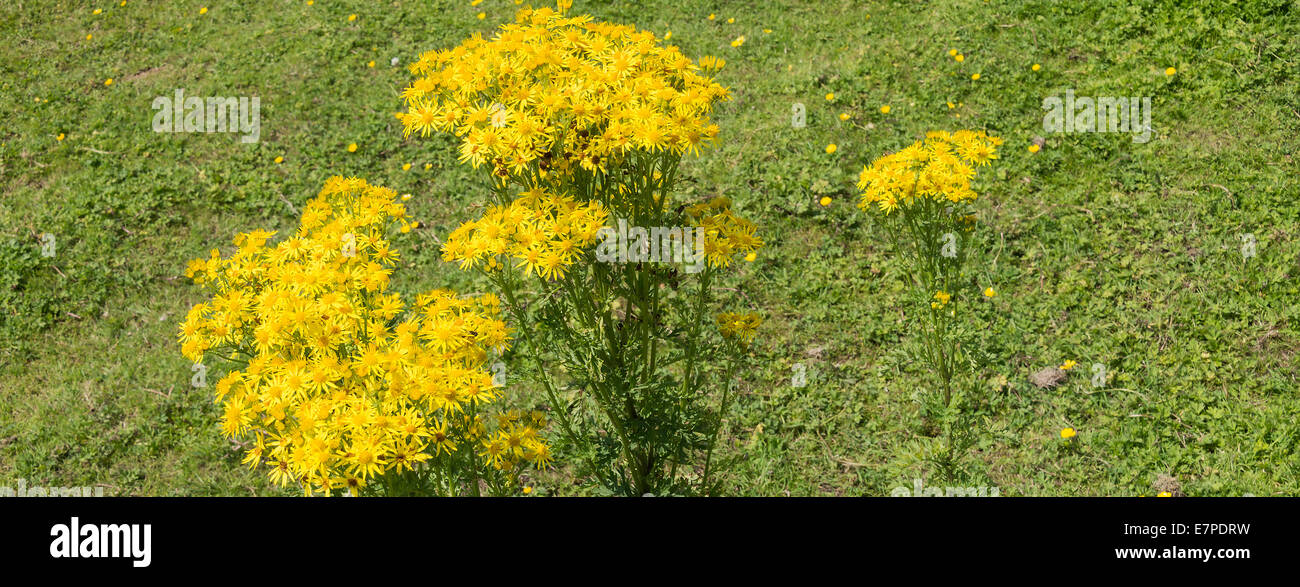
(921, 197)
(580, 127)
(340, 385)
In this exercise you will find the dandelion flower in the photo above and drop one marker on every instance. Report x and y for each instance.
(731, 21)
(482, 15)
(1033, 148)
(739, 41)
(352, 147)
(668, 35)
(988, 292)
(712, 16)
(428, 166)
(97, 11)
(1164, 494)
(960, 58)
(844, 116)
(831, 148)
(1067, 433)
(371, 64)
(406, 167)
(767, 31)
(1170, 71)
(279, 159)
(825, 201)
(751, 256)
(352, 17)
(884, 109)
(60, 137)
(203, 10)
(1036, 67)
(975, 77)
(89, 37)
(108, 82)
(952, 52)
(1068, 364)
(830, 97)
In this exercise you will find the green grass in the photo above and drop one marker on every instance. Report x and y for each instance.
(1102, 250)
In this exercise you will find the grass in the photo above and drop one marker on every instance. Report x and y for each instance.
(1102, 250)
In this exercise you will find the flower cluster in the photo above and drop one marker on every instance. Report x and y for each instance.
(937, 168)
(342, 382)
(725, 234)
(551, 91)
(542, 233)
(738, 327)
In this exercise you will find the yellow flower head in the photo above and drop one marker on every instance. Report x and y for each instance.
(738, 327)
(552, 93)
(938, 168)
(345, 381)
